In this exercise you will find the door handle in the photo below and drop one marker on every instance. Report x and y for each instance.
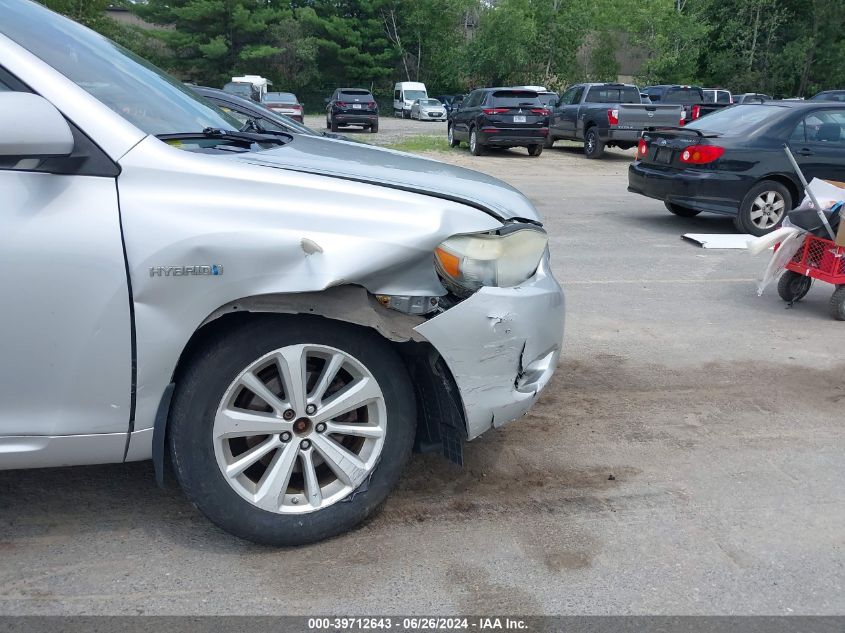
(804, 151)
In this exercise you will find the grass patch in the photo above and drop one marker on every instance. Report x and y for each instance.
(421, 144)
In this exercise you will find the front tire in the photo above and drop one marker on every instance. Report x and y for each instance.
(290, 430)
(593, 145)
(475, 147)
(793, 286)
(763, 208)
(374, 128)
(684, 212)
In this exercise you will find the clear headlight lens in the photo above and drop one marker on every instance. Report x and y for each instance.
(504, 259)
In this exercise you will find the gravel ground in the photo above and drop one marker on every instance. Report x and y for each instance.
(390, 129)
(686, 459)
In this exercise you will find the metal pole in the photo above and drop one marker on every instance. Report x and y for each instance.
(815, 202)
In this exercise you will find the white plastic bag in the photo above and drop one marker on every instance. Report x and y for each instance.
(788, 247)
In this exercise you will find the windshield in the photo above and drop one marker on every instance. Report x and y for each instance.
(138, 91)
(734, 120)
(515, 98)
(280, 97)
(830, 96)
(413, 95)
(683, 95)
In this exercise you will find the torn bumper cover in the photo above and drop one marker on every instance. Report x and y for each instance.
(502, 346)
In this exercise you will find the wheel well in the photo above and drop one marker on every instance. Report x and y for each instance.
(441, 424)
(787, 182)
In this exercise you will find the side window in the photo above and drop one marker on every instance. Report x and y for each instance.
(797, 135)
(396, 96)
(826, 126)
(578, 94)
(473, 100)
(566, 97)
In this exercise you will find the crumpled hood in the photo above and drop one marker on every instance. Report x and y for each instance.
(374, 165)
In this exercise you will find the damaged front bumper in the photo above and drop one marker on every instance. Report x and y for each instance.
(502, 346)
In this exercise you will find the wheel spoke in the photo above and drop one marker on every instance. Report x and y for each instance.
(778, 205)
(275, 481)
(291, 364)
(346, 465)
(356, 395)
(245, 460)
(358, 430)
(756, 214)
(313, 493)
(770, 197)
(326, 378)
(238, 423)
(254, 384)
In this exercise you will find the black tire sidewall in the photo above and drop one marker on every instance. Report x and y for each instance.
(743, 218)
(837, 304)
(680, 211)
(197, 396)
(476, 148)
(597, 146)
(787, 283)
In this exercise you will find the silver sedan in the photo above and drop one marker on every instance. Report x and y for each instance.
(428, 110)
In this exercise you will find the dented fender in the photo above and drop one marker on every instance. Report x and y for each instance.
(271, 232)
(502, 346)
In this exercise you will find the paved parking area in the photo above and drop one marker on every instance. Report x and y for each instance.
(687, 459)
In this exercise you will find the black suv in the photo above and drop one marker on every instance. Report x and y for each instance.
(500, 117)
(352, 106)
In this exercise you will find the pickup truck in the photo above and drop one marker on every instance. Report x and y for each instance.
(696, 101)
(606, 115)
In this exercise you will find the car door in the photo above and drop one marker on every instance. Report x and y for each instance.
(569, 114)
(463, 115)
(555, 120)
(66, 336)
(818, 144)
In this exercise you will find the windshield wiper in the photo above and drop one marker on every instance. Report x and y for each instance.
(239, 136)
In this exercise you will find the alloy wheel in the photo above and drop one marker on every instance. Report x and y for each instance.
(300, 428)
(767, 209)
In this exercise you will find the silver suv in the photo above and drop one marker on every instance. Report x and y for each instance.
(276, 319)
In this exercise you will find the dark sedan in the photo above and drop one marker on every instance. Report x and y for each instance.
(732, 162)
(500, 117)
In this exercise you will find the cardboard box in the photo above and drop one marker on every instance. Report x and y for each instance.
(840, 234)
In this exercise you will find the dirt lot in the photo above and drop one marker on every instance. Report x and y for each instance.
(687, 458)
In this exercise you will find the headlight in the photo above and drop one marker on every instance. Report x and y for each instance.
(505, 258)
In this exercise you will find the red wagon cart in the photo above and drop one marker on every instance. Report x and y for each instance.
(821, 259)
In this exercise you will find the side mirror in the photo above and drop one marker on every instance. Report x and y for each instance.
(326, 100)
(31, 127)
(553, 103)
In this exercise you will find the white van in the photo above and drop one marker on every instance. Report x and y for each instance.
(404, 95)
(256, 80)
